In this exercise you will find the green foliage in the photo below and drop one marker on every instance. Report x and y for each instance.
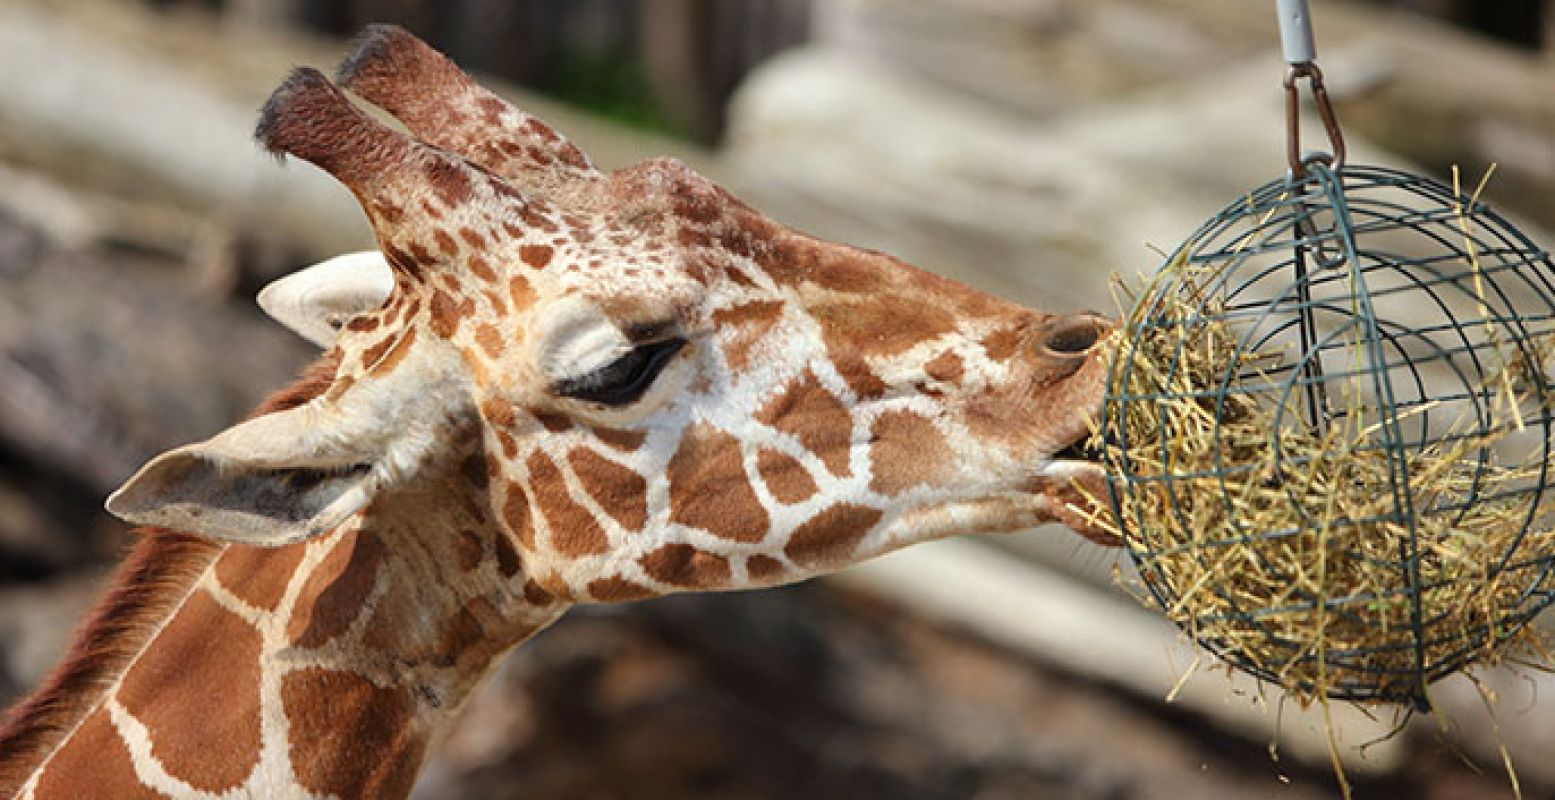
(613, 85)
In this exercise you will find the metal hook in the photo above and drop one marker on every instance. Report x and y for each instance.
(1300, 48)
(1325, 110)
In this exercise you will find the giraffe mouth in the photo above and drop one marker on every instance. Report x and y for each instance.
(1085, 449)
(1075, 485)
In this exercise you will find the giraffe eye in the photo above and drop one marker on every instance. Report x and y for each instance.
(627, 378)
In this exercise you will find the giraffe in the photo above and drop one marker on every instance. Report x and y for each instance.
(556, 385)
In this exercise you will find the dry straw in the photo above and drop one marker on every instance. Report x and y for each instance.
(1289, 564)
(1319, 551)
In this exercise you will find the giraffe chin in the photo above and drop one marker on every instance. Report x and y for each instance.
(1038, 501)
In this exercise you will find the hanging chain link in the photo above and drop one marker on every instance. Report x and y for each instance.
(1325, 109)
(1300, 48)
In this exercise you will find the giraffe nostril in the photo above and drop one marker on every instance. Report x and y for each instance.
(1074, 336)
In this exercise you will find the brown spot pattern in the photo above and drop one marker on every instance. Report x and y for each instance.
(499, 412)
(534, 594)
(515, 510)
(798, 259)
(618, 590)
(623, 440)
(739, 277)
(763, 568)
(534, 218)
(403, 263)
(141, 598)
(743, 327)
(830, 538)
(787, 479)
(421, 256)
(685, 566)
(555, 423)
(350, 738)
(197, 690)
(495, 301)
(258, 575)
(522, 293)
(482, 269)
(492, 109)
(446, 314)
(709, 489)
(97, 755)
(857, 374)
(372, 355)
(990, 415)
(395, 355)
(620, 491)
(412, 308)
(449, 181)
(882, 326)
(489, 339)
(574, 531)
(388, 212)
(508, 561)
(853, 272)
(947, 367)
(817, 418)
(332, 597)
(535, 255)
(1002, 343)
(908, 451)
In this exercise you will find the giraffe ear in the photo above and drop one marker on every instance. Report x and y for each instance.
(317, 301)
(273, 480)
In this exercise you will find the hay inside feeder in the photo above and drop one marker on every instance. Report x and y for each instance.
(1305, 531)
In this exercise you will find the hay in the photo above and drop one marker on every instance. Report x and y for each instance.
(1279, 546)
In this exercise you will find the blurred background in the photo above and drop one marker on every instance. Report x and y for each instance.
(1028, 147)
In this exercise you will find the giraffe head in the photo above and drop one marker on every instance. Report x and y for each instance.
(638, 383)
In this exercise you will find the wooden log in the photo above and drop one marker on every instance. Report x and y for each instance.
(160, 108)
(107, 360)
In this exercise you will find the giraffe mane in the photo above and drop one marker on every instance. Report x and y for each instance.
(145, 591)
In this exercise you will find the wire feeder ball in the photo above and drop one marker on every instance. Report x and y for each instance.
(1329, 429)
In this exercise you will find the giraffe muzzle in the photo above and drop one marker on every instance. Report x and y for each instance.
(1071, 343)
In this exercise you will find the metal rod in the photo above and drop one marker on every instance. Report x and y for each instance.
(1316, 388)
(1296, 37)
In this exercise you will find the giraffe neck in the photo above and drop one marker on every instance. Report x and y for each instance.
(315, 669)
(322, 668)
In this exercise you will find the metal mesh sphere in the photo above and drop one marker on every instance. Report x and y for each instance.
(1329, 426)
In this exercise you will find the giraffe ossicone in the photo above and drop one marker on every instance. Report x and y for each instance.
(556, 385)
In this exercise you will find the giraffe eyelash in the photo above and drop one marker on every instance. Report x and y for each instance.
(626, 379)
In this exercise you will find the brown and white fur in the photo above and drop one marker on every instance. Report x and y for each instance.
(567, 386)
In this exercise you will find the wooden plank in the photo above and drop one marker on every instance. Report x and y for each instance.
(1037, 610)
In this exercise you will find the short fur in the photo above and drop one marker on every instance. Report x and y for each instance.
(310, 118)
(147, 588)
